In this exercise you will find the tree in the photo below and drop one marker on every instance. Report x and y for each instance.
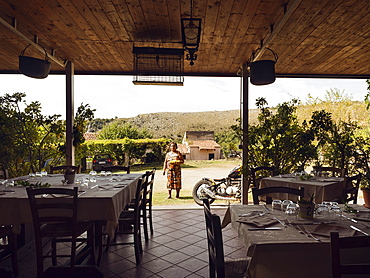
(119, 129)
(28, 138)
(278, 139)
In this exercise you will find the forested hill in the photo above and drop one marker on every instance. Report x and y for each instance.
(174, 124)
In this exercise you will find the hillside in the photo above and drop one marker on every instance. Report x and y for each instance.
(174, 124)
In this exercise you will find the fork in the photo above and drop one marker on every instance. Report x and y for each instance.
(307, 232)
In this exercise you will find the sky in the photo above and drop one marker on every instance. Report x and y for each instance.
(117, 96)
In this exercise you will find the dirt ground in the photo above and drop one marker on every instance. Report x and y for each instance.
(190, 176)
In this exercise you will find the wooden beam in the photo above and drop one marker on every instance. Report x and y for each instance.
(70, 155)
(38, 47)
(245, 123)
(276, 29)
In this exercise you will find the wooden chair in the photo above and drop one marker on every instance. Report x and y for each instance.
(218, 266)
(54, 215)
(335, 171)
(146, 211)
(4, 172)
(352, 185)
(8, 247)
(337, 245)
(261, 172)
(129, 224)
(117, 168)
(77, 169)
(256, 192)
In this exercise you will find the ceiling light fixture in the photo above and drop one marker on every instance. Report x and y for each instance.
(190, 29)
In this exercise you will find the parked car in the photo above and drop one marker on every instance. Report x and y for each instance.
(101, 160)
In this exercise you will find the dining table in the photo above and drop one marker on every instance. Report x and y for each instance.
(100, 197)
(323, 188)
(280, 246)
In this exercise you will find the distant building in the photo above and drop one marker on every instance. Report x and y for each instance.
(90, 136)
(200, 145)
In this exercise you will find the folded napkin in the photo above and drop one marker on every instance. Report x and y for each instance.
(258, 220)
(325, 229)
(362, 215)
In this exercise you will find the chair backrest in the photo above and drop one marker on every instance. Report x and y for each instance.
(51, 206)
(352, 185)
(337, 244)
(118, 168)
(139, 198)
(215, 242)
(258, 173)
(149, 189)
(4, 172)
(335, 171)
(77, 169)
(256, 192)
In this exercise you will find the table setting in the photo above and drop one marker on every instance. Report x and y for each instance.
(101, 196)
(322, 187)
(272, 232)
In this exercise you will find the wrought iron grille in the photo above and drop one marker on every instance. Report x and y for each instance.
(158, 66)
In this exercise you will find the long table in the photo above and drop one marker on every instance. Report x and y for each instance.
(105, 201)
(324, 189)
(287, 252)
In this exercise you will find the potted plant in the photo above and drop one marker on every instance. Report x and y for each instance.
(365, 188)
(306, 207)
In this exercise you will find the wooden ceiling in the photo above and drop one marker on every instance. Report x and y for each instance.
(311, 37)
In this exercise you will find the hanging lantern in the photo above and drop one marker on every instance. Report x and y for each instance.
(262, 72)
(34, 67)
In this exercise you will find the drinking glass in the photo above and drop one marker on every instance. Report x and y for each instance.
(291, 212)
(284, 204)
(336, 212)
(9, 183)
(276, 204)
(322, 212)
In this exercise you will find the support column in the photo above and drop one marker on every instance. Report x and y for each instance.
(244, 124)
(70, 152)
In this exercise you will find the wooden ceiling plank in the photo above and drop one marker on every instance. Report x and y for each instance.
(37, 19)
(142, 29)
(67, 26)
(301, 38)
(85, 13)
(174, 17)
(163, 27)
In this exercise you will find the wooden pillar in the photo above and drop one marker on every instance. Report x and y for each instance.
(244, 123)
(70, 154)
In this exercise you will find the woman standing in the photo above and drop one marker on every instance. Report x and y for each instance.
(172, 164)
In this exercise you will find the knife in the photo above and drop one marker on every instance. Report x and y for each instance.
(359, 230)
(350, 219)
(261, 229)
